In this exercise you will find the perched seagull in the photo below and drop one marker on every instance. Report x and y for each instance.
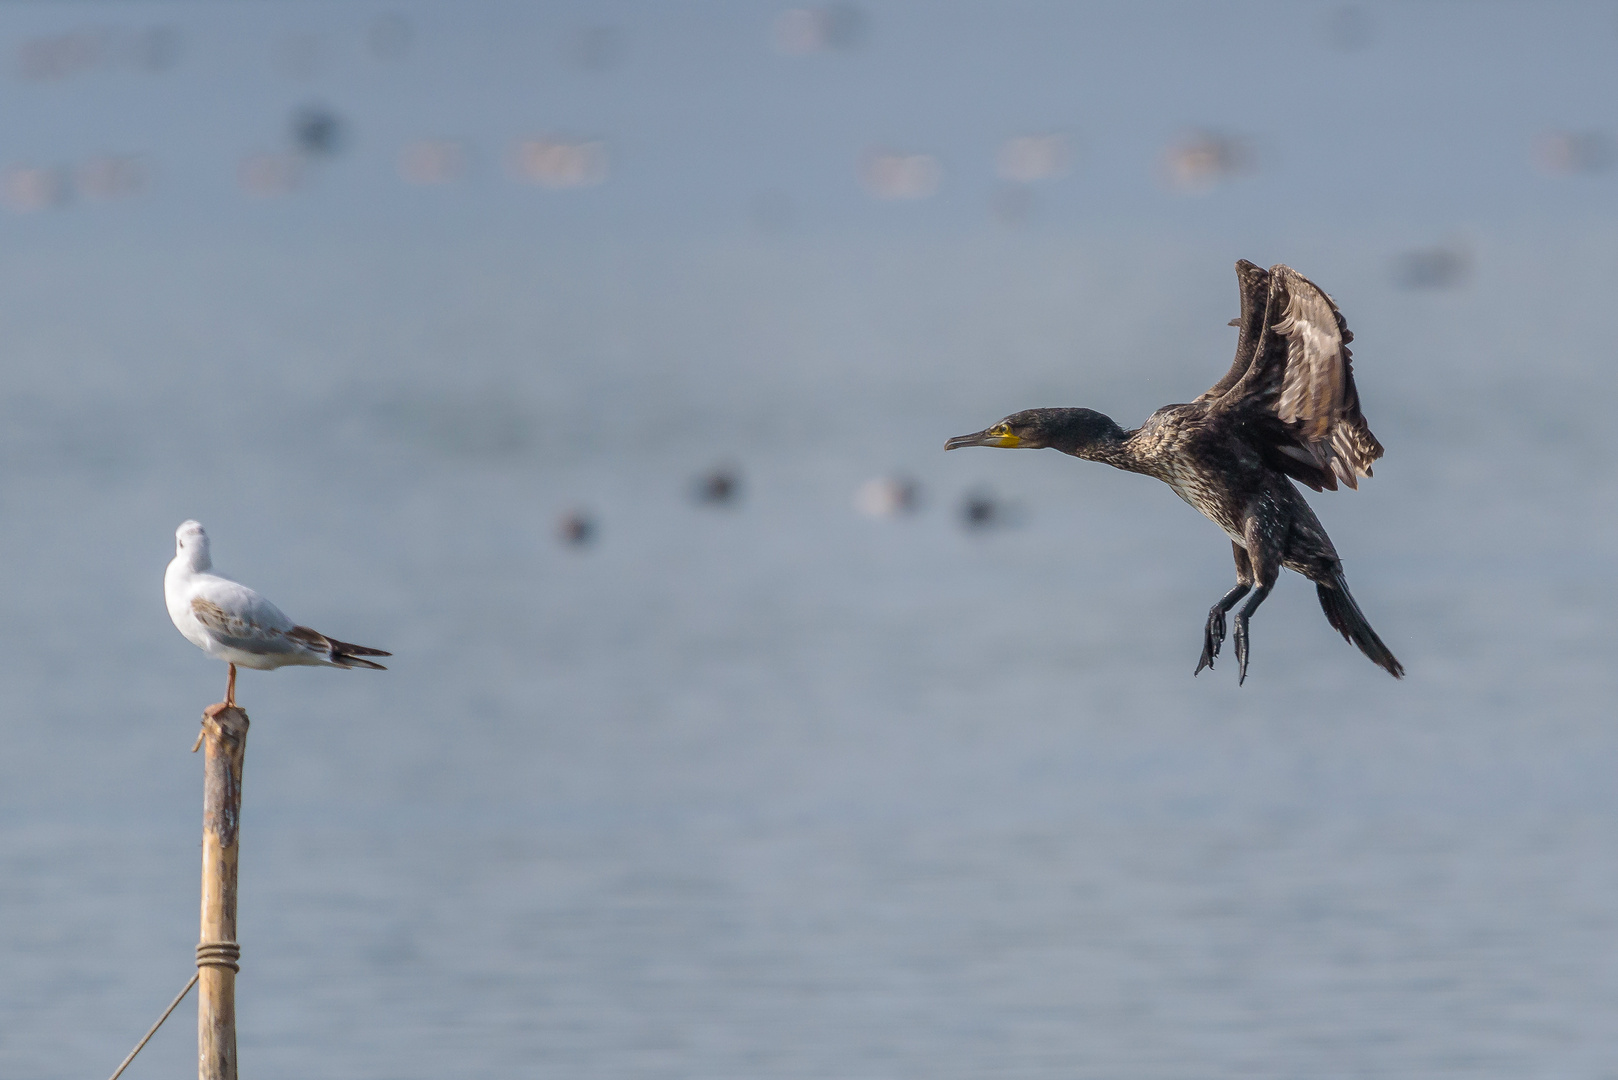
(231, 622)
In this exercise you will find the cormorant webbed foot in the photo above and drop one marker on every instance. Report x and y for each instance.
(1241, 648)
(1213, 634)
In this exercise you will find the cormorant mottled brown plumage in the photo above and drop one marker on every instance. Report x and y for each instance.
(1286, 410)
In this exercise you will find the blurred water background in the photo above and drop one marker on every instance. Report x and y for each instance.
(777, 787)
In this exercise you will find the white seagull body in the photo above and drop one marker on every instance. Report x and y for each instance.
(231, 622)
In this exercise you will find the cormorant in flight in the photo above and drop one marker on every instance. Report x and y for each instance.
(1286, 410)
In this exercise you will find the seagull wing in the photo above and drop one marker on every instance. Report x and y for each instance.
(239, 618)
(1298, 385)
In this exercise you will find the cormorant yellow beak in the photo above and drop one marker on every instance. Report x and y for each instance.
(999, 435)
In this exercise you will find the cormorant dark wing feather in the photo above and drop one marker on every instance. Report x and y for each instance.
(1255, 288)
(1302, 375)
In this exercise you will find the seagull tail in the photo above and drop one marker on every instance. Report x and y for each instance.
(338, 653)
(350, 655)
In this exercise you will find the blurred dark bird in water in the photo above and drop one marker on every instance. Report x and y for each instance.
(576, 528)
(1286, 410)
(317, 131)
(718, 487)
(980, 510)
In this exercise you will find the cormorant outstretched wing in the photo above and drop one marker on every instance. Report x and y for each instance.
(1294, 378)
(1255, 285)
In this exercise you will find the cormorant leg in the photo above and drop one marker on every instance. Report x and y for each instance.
(1213, 634)
(1241, 627)
(1266, 568)
(230, 687)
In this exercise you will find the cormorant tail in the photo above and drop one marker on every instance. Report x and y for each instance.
(1347, 619)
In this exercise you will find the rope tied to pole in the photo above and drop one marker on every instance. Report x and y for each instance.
(175, 1004)
(220, 954)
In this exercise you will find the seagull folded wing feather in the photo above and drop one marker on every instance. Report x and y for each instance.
(253, 627)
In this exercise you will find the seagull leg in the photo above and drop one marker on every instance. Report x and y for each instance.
(1213, 634)
(229, 703)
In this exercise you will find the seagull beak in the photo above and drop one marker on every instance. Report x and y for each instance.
(986, 437)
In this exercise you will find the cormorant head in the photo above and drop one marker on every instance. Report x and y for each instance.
(1069, 430)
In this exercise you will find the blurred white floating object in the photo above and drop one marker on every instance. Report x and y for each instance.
(432, 161)
(112, 177)
(561, 163)
(27, 190)
(1202, 159)
(1027, 158)
(800, 31)
(1563, 153)
(265, 176)
(891, 175)
(887, 496)
(62, 56)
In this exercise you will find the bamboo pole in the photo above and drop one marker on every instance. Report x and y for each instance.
(224, 730)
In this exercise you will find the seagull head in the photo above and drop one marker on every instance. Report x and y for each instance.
(191, 543)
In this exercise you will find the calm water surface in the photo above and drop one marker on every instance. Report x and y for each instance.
(778, 789)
